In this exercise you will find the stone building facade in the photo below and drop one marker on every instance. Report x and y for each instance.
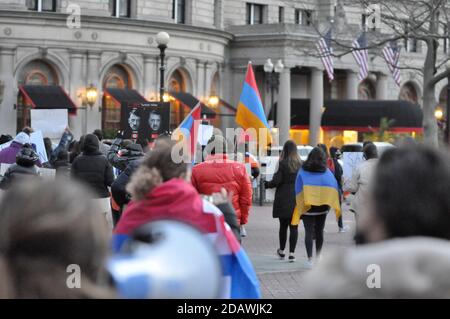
(210, 46)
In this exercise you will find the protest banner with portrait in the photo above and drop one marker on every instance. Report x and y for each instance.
(145, 121)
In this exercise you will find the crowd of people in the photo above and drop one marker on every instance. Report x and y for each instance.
(96, 213)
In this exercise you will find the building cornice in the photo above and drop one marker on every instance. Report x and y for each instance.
(113, 23)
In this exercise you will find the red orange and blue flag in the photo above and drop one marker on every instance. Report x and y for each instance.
(189, 129)
(250, 111)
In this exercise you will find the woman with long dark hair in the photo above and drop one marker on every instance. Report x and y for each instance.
(284, 204)
(316, 191)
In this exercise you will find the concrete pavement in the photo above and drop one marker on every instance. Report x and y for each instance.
(278, 278)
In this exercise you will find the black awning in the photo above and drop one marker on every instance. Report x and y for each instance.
(300, 112)
(48, 97)
(128, 96)
(191, 101)
(365, 114)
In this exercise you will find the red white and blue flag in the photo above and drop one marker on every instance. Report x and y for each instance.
(239, 280)
(361, 55)
(391, 54)
(189, 129)
(326, 54)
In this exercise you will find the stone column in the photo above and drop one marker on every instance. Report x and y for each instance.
(8, 115)
(315, 111)
(78, 123)
(150, 77)
(199, 89)
(284, 105)
(352, 85)
(93, 70)
(382, 87)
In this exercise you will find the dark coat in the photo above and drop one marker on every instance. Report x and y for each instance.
(93, 169)
(16, 173)
(284, 181)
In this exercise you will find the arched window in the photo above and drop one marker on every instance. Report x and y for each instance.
(215, 85)
(117, 77)
(36, 72)
(366, 90)
(408, 93)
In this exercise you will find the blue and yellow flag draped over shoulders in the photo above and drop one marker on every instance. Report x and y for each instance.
(315, 189)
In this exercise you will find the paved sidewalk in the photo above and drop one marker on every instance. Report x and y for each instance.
(278, 278)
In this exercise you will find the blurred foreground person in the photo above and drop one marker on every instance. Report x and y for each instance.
(284, 203)
(23, 170)
(406, 230)
(316, 192)
(46, 231)
(160, 189)
(149, 264)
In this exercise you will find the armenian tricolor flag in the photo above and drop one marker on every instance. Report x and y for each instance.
(189, 129)
(250, 111)
(315, 189)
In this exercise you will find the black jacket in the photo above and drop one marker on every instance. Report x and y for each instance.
(62, 169)
(284, 181)
(118, 188)
(93, 169)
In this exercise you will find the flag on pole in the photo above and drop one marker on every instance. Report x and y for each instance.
(189, 129)
(326, 52)
(250, 111)
(361, 55)
(391, 54)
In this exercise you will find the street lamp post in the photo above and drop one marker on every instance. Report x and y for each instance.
(162, 38)
(447, 115)
(273, 81)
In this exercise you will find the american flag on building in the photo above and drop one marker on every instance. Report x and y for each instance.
(391, 53)
(326, 54)
(361, 55)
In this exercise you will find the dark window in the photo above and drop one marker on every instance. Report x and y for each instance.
(42, 5)
(255, 13)
(281, 15)
(303, 17)
(122, 8)
(179, 11)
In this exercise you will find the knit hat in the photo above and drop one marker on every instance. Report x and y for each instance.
(22, 138)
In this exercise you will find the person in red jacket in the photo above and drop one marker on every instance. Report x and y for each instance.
(218, 172)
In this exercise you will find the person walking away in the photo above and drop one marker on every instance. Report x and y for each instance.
(160, 189)
(23, 170)
(94, 170)
(284, 204)
(361, 179)
(219, 171)
(316, 192)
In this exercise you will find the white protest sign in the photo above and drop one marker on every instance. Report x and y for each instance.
(51, 123)
(38, 140)
(205, 133)
(5, 145)
(351, 161)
